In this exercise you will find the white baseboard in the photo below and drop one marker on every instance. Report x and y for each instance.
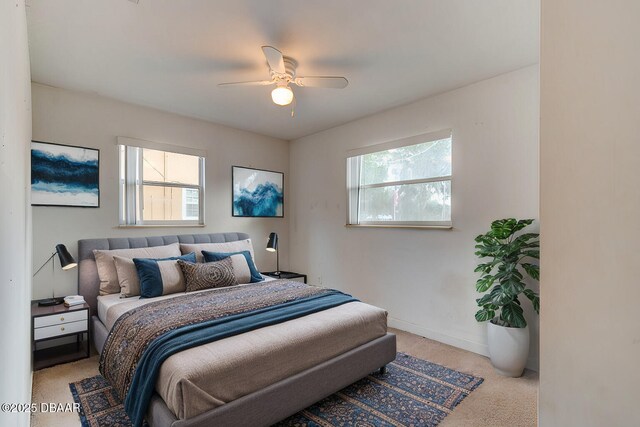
(472, 346)
(464, 344)
(533, 364)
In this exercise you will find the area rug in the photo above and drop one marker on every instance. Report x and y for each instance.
(412, 392)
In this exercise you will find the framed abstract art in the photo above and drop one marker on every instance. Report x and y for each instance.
(257, 192)
(64, 175)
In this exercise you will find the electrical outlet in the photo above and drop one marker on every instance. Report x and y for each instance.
(319, 279)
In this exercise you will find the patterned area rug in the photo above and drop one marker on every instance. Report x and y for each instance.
(413, 392)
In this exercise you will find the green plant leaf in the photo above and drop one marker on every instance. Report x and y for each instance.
(483, 315)
(532, 270)
(484, 283)
(535, 299)
(512, 287)
(525, 222)
(484, 300)
(487, 250)
(498, 297)
(513, 315)
(485, 268)
(519, 225)
(526, 237)
(503, 228)
(510, 272)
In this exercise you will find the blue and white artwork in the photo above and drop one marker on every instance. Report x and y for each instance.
(257, 193)
(63, 175)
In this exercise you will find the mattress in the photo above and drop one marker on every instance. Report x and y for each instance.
(205, 377)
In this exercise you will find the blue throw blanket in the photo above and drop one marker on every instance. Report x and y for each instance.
(243, 309)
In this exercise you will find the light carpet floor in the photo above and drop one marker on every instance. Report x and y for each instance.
(499, 401)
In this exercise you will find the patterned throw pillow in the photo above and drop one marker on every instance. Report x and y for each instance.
(217, 256)
(217, 274)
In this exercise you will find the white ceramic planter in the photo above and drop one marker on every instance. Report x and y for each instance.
(508, 349)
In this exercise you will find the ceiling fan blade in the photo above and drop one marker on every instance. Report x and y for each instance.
(255, 83)
(322, 81)
(274, 58)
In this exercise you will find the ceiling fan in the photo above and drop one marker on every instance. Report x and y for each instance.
(283, 75)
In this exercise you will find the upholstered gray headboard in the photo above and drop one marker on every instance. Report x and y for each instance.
(88, 280)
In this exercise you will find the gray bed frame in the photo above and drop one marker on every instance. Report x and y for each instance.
(263, 407)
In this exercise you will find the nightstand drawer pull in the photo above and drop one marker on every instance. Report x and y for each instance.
(56, 319)
(56, 330)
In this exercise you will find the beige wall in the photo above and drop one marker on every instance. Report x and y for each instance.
(15, 237)
(87, 120)
(590, 210)
(424, 278)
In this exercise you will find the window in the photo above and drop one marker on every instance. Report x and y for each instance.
(160, 187)
(401, 183)
(190, 204)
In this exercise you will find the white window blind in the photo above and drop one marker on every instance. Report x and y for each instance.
(401, 183)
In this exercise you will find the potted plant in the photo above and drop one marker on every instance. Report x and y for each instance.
(503, 282)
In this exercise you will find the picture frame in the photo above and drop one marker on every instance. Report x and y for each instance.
(64, 175)
(257, 193)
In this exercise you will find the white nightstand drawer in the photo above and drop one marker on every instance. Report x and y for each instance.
(63, 329)
(58, 319)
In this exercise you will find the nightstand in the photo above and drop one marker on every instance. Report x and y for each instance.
(285, 275)
(59, 321)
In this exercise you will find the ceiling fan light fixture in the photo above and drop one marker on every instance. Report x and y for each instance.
(282, 95)
(282, 70)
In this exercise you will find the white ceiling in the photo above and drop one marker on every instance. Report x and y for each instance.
(171, 54)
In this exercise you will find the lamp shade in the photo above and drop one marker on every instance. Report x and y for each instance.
(66, 260)
(272, 244)
(282, 95)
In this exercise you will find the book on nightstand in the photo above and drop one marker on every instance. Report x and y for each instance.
(73, 300)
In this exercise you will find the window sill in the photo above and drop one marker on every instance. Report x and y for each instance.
(162, 226)
(416, 227)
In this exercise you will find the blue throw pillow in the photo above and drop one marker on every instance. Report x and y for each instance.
(217, 256)
(161, 276)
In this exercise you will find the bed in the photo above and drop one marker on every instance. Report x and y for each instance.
(255, 378)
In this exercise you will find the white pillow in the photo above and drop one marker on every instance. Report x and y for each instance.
(107, 272)
(241, 269)
(127, 277)
(237, 246)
